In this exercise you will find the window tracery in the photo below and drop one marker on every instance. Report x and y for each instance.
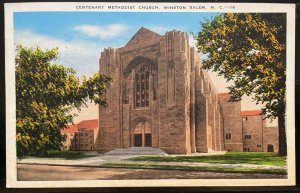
(141, 97)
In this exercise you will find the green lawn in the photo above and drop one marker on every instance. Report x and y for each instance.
(195, 168)
(259, 158)
(67, 154)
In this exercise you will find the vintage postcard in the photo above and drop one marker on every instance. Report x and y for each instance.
(150, 94)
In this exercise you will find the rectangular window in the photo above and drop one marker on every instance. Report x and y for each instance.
(247, 137)
(228, 136)
(246, 149)
(258, 145)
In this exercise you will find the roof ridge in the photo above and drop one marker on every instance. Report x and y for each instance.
(138, 32)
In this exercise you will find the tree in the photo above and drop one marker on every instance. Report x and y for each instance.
(45, 95)
(249, 49)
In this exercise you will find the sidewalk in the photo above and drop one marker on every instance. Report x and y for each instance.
(91, 161)
(103, 159)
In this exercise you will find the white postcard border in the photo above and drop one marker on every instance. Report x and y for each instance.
(11, 165)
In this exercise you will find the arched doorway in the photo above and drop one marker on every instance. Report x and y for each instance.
(270, 148)
(142, 135)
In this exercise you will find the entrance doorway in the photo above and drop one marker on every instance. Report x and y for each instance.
(142, 136)
(148, 140)
(270, 148)
(138, 141)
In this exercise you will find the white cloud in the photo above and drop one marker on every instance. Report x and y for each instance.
(80, 55)
(103, 32)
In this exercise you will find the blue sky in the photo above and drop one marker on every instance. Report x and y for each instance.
(81, 36)
(62, 24)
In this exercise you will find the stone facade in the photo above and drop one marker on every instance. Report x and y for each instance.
(81, 136)
(160, 97)
(256, 135)
(232, 120)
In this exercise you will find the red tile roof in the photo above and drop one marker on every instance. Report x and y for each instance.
(251, 112)
(90, 124)
(69, 129)
(85, 124)
(224, 94)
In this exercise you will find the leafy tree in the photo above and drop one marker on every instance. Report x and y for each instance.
(45, 95)
(249, 49)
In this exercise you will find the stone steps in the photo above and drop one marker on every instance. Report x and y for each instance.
(136, 151)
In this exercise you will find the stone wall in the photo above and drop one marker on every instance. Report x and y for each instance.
(270, 137)
(256, 135)
(109, 117)
(253, 132)
(232, 123)
(174, 107)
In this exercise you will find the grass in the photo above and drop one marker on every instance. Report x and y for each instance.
(196, 168)
(259, 158)
(69, 155)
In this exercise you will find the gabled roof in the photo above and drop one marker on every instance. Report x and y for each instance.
(85, 124)
(143, 36)
(90, 124)
(251, 112)
(224, 94)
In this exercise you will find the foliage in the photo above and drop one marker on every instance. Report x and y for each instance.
(249, 49)
(45, 95)
(258, 158)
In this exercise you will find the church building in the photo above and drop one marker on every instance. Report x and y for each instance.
(160, 97)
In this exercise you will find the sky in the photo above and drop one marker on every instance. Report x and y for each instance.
(82, 36)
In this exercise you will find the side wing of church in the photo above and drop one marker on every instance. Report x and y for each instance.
(161, 98)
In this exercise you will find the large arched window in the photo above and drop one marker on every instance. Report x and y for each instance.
(142, 73)
(141, 82)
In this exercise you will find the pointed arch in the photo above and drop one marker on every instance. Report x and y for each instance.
(135, 62)
(138, 120)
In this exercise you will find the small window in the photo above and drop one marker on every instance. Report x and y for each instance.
(247, 137)
(228, 136)
(245, 118)
(246, 149)
(258, 145)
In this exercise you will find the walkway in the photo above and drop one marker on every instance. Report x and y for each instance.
(103, 159)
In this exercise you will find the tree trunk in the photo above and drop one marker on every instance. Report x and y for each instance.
(282, 136)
